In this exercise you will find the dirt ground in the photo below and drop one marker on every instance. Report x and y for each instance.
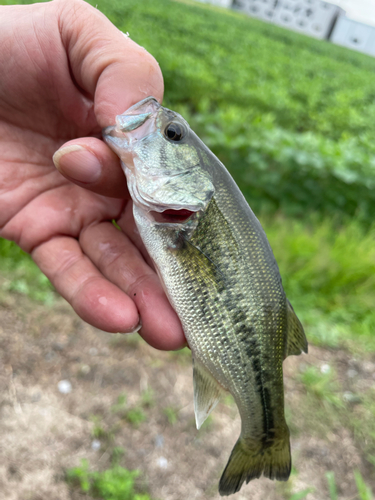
(44, 431)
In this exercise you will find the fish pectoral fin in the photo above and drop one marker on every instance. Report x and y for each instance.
(207, 392)
(296, 339)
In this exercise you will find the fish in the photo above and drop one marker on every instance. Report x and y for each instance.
(220, 275)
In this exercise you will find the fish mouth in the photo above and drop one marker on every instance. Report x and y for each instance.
(171, 216)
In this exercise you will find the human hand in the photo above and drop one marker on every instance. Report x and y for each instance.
(66, 73)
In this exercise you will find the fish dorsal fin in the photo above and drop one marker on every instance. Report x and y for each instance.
(207, 393)
(296, 339)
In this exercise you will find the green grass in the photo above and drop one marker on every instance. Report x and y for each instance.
(322, 386)
(135, 416)
(22, 275)
(328, 405)
(120, 404)
(115, 483)
(290, 116)
(328, 272)
(148, 398)
(360, 419)
(172, 414)
(101, 431)
(301, 494)
(302, 83)
(293, 119)
(332, 488)
(364, 491)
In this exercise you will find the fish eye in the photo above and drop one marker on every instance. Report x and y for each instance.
(174, 132)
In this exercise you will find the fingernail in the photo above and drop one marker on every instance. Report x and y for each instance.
(78, 163)
(135, 329)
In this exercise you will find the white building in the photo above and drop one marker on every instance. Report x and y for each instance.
(219, 3)
(314, 18)
(311, 17)
(354, 35)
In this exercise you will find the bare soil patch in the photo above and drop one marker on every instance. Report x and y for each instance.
(43, 431)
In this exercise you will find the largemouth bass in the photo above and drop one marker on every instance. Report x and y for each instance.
(220, 275)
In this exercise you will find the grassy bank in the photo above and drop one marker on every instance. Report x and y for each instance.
(291, 117)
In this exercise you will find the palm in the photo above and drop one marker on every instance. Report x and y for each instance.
(51, 92)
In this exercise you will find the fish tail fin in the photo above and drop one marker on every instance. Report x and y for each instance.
(248, 462)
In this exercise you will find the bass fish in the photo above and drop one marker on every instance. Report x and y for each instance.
(220, 276)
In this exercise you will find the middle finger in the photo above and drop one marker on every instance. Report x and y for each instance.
(120, 261)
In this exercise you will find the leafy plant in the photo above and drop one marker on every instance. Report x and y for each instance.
(135, 416)
(171, 414)
(120, 404)
(327, 272)
(22, 275)
(117, 453)
(147, 398)
(99, 430)
(332, 488)
(115, 483)
(301, 494)
(295, 132)
(364, 491)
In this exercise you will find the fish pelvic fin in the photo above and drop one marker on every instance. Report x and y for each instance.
(296, 338)
(207, 393)
(250, 459)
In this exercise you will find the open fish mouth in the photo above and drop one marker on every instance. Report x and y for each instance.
(172, 216)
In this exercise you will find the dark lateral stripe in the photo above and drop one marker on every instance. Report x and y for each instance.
(265, 397)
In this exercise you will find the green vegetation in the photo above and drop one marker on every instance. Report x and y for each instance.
(328, 405)
(364, 491)
(287, 489)
(135, 416)
(293, 119)
(172, 414)
(332, 485)
(101, 431)
(322, 386)
(115, 483)
(120, 404)
(328, 274)
(301, 494)
(361, 421)
(147, 398)
(22, 275)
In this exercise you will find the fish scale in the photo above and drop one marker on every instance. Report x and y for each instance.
(221, 278)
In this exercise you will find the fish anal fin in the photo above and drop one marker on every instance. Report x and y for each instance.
(207, 392)
(296, 339)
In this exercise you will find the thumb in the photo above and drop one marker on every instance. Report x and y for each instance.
(115, 71)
